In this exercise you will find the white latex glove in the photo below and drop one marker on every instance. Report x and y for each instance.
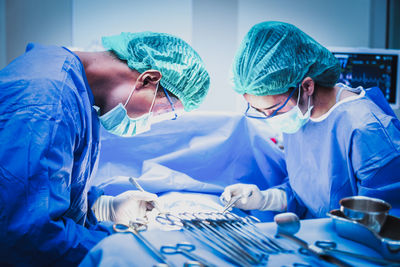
(125, 207)
(252, 198)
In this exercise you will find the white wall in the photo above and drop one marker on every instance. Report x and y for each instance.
(215, 38)
(331, 23)
(43, 21)
(3, 57)
(213, 27)
(377, 24)
(93, 19)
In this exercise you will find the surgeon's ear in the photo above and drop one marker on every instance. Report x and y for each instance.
(308, 86)
(148, 78)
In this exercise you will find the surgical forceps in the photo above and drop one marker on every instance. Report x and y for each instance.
(134, 229)
(247, 224)
(210, 229)
(191, 229)
(186, 249)
(330, 247)
(242, 235)
(233, 201)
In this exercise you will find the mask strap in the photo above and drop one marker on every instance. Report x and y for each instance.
(339, 93)
(298, 96)
(154, 98)
(130, 95)
(170, 102)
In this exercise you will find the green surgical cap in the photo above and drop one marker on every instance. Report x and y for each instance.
(275, 56)
(183, 71)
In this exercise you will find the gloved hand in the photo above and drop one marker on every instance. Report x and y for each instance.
(252, 198)
(125, 207)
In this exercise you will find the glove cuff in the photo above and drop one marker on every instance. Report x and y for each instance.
(275, 200)
(103, 208)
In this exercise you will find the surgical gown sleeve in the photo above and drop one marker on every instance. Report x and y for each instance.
(375, 158)
(294, 203)
(385, 184)
(40, 136)
(34, 207)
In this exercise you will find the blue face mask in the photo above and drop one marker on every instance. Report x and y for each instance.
(117, 121)
(291, 121)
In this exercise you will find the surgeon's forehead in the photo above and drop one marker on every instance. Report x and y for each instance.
(264, 101)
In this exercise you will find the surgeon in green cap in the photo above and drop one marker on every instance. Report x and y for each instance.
(338, 141)
(53, 102)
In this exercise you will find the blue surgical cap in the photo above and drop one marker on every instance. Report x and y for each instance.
(182, 69)
(275, 56)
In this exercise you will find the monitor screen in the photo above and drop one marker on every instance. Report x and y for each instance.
(371, 68)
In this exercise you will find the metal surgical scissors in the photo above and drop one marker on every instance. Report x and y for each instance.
(330, 247)
(191, 228)
(185, 249)
(134, 229)
(169, 219)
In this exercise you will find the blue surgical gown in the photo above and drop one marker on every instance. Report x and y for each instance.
(353, 150)
(49, 143)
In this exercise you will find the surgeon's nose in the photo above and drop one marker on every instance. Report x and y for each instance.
(268, 112)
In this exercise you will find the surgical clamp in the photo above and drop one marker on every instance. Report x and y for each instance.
(186, 249)
(330, 247)
(133, 228)
(192, 230)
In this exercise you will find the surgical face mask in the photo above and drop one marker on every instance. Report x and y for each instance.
(117, 121)
(291, 121)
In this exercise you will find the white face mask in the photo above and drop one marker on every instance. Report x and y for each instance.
(117, 121)
(291, 121)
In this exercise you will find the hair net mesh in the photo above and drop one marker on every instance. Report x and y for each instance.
(182, 69)
(275, 56)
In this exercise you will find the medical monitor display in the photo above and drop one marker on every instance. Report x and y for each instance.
(371, 68)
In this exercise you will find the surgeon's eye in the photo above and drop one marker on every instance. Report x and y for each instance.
(255, 113)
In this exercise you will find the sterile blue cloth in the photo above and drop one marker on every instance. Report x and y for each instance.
(199, 152)
(49, 139)
(354, 150)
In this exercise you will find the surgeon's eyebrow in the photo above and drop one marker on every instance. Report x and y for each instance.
(271, 107)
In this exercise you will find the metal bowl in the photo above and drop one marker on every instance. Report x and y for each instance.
(368, 211)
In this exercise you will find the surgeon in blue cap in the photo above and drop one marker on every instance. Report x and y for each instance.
(338, 141)
(52, 104)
